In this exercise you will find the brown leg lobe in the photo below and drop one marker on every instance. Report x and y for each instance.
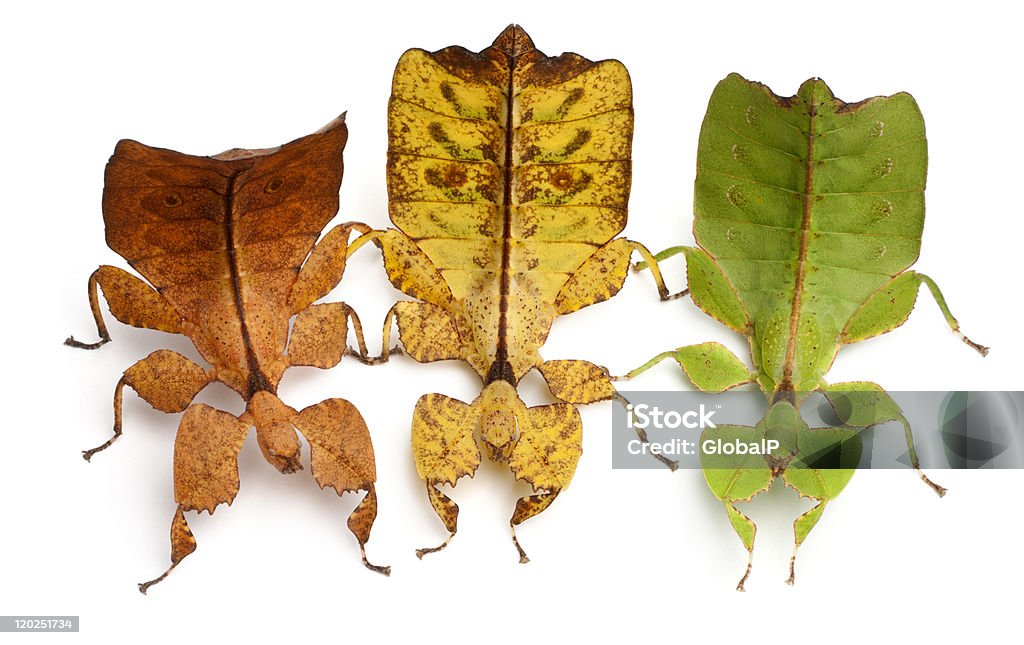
(360, 522)
(183, 543)
(448, 511)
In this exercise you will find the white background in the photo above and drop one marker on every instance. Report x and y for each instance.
(621, 554)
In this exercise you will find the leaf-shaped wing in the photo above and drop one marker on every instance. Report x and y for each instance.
(222, 238)
(508, 169)
(809, 205)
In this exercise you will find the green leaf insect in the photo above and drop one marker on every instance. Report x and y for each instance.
(808, 214)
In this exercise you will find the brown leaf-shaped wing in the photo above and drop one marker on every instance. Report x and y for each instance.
(222, 238)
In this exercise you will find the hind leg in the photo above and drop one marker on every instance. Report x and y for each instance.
(183, 543)
(444, 450)
(891, 305)
(861, 404)
(736, 478)
(545, 456)
(746, 530)
(205, 473)
(526, 508)
(341, 456)
(801, 527)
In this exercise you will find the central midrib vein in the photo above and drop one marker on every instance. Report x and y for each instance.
(257, 381)
(501, 353)
(801, 265)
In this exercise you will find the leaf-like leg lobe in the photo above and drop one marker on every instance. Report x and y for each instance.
(527, 507)
(746, 530)
(428, 332)
(891, 305)
(323, 268)
(183, 543)
(801, 527)
(444, 450)
(131, 301)
(319, 336)
(166, 380)
(360, 522)
(862, 403)
(448, 511)
(575, 381)
(206, 458)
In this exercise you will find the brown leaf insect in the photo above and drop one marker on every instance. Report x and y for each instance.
(229, 245)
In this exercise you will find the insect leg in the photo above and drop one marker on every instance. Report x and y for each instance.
(323, 268)
(320, 334)
(711, 367)
(652, 262)
(950, 320)
(183, 543)
(131, 301)
(360, 522)
(545, 456)
(166, 380)
(746, 530)
(448, 511)
(891, 305)
(409, 269)
(205, 472)
(861, 404)
(527, 507)
(646, 366)
(444, 449)
(601, 276)
(658, 257)
(427, 332)
(801, 527)
(341, 456)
